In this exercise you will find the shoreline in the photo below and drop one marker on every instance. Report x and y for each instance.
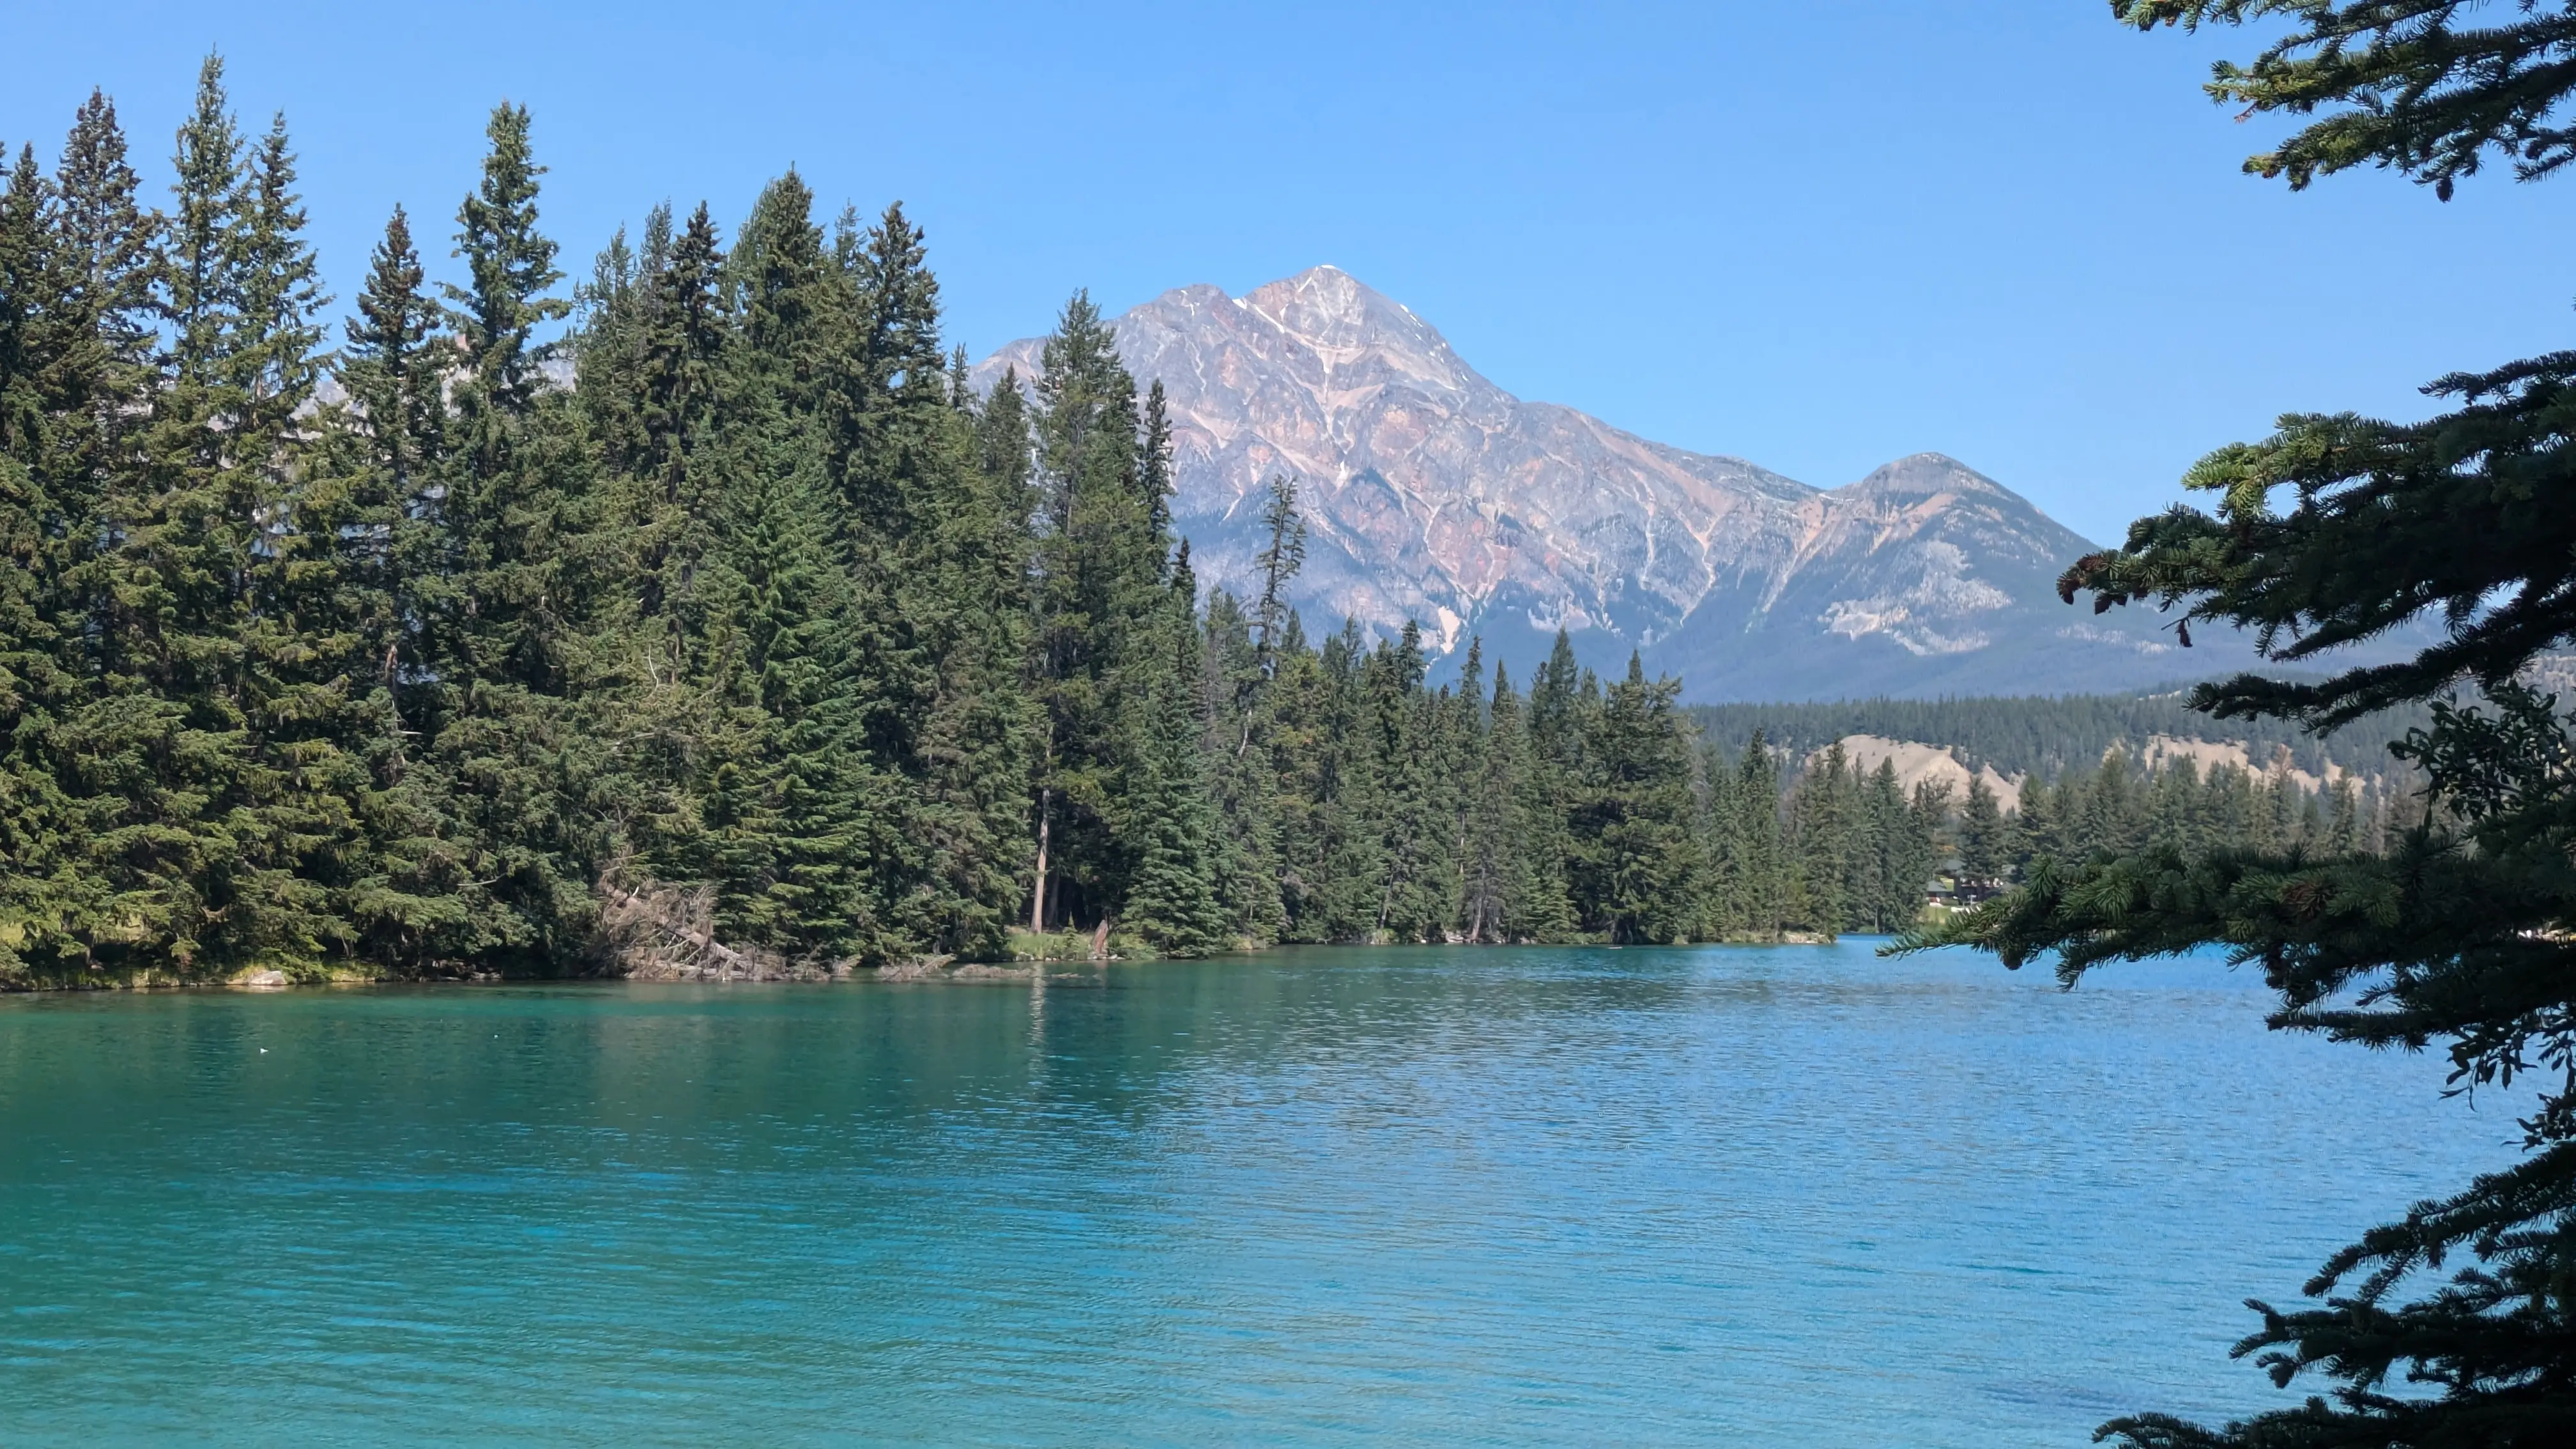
(929, 971)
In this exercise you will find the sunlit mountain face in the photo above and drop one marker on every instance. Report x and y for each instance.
(1433, 495)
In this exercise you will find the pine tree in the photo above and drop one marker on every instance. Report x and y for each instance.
(1283, 553)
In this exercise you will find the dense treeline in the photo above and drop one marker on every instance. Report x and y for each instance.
(706, 595)
(2048, 735)
(707, 575)
(2119, 808)
(1854, 850)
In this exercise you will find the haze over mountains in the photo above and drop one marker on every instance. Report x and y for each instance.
(1432, 494)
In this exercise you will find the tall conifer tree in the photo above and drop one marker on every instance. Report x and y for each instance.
(505, 633)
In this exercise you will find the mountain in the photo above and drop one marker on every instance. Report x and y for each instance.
(1432, 494)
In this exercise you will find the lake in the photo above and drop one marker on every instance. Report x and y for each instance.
(1726, 1195)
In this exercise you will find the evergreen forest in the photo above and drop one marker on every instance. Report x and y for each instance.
(693, 614)
(699, 611)
(2049, 735)
(519, 624)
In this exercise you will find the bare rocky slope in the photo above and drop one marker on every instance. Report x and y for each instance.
(1432, 494)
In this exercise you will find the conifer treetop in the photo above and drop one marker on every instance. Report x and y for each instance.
(511, 264)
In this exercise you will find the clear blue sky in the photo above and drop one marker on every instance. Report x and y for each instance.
(1818, 234)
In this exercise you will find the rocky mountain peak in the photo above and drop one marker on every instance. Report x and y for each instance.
(1929, 474)
(1433, 495)
(1333, 313)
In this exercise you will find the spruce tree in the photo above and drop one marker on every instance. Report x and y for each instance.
(387, 368)
(95, 371)
(1877, 826)
(942, 540)
(77, 385)
(1539, 904)
(1099, 570)
(1492, 863)
(181, 843)
(35, 685)
(737, 588)
(1763, 866)
(794, 811)
(1547, 909)
(1634, 856)
(1168, 821)
(364, 517)
(1350, 872)
(2341, 528)
(1307, 763)
(680, 347)
(1929, 843)
(506, 630)
(1241, 746)
(1824, 845)
(315, 693)
(1282, 555)
(1984, 851)
(1401, 722)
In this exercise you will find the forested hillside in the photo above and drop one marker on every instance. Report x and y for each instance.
(2047, 735)
(2092, 782)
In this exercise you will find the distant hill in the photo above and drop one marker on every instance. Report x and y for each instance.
(1434, 495)
(2019, 736)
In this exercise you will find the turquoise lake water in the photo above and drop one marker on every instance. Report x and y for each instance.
(1795, 1196)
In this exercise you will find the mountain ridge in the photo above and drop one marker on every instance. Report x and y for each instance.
(1433, 494)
